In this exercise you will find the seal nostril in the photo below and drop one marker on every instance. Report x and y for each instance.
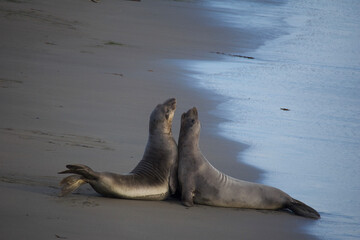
(171, 103)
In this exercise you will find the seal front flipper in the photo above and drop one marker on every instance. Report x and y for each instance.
(173, 181)
(187, 198)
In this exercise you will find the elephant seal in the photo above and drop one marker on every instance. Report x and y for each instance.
(201, 183)
(155, 176)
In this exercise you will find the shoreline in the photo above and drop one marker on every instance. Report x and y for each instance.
(75, 89)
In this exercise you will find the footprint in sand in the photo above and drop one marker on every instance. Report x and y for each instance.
(9, 83)
(60, 139)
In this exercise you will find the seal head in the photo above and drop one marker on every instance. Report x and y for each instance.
(162, 116)
(190, 128)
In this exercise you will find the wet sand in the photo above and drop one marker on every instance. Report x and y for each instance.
(78, 81)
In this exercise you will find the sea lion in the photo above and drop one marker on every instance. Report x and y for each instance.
(201, 183)
(155, 176)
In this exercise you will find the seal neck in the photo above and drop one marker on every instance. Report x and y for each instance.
(158, 133)
(189, 140)
(160, 128)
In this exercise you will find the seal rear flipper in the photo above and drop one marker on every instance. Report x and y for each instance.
(70, 184)
(301, 209)
(82, 170)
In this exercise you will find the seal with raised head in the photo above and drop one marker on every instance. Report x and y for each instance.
(155, 176)
(201, 183)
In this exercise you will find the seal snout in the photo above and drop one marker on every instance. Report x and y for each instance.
(171, 103)
(194, 111)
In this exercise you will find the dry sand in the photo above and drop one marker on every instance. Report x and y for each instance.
(78, 81)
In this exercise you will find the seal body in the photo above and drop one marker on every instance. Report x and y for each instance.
(201, 183)
(155, 176)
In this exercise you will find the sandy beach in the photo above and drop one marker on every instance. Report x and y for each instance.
(78, 81)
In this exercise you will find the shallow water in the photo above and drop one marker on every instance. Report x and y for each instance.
(297, 104)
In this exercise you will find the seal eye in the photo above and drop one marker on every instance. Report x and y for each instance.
(192, 121)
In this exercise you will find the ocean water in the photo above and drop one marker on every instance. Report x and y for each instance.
(297, 103)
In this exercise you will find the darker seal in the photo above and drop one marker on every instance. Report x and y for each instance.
(201, 183)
